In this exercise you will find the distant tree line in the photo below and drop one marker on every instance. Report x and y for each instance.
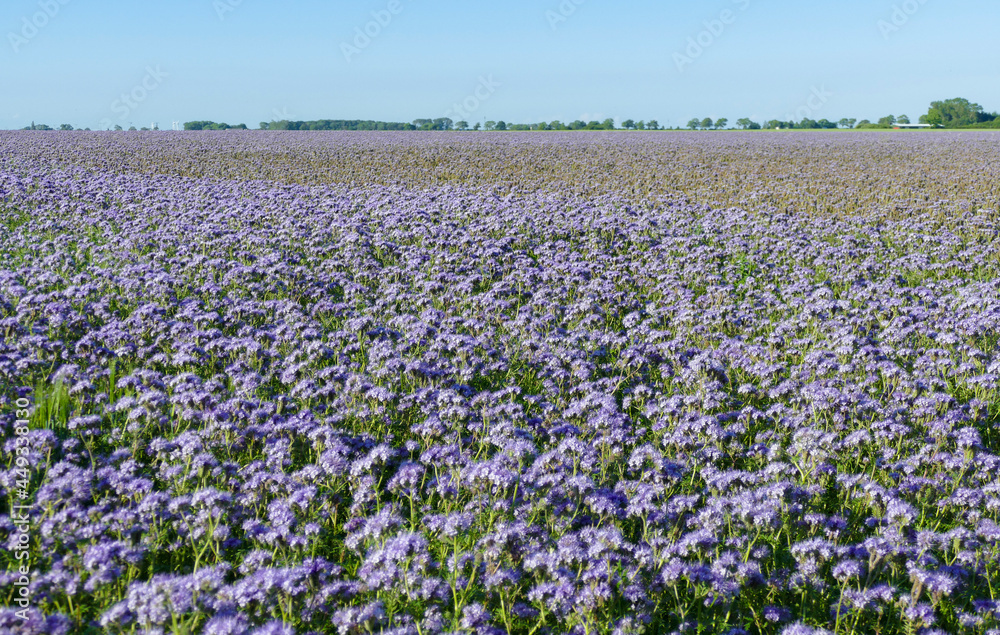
(335, 124)
(949, 113)
(41, 126)
(211, 125)
(445, 124)
(746, 124)
(66, 126)
(607, 124)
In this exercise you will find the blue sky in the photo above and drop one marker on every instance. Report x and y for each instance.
(93, 63)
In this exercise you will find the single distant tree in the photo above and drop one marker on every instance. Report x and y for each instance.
(641, 125)
(934, 118)
(887, 121)
(117, 127)
(706, 123)
(721, 123)
(847, 123)
(477, 126)
(903, 119)
(65, 126)
(462, 125)
(694, 124)
(628, 124)
(743, 122)
(501, 125)
(608, 124)
(863, 122)
(490, 125)
(653, 125)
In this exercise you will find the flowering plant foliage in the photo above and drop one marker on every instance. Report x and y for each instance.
(426, 406)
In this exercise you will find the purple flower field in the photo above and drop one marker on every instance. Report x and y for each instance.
(499, 383)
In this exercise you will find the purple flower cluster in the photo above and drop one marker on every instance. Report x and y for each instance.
(276, 408)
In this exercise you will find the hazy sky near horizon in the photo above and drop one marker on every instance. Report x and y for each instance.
(97, 64)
